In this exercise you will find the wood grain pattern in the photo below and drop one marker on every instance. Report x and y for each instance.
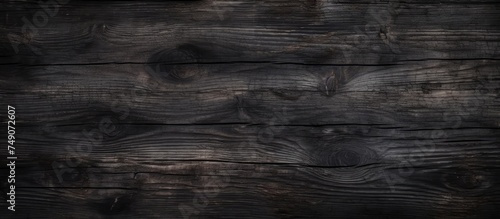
(254, 109)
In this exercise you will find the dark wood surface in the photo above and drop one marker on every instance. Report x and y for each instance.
(254, 109)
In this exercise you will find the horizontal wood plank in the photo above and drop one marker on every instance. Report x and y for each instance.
(312, 32)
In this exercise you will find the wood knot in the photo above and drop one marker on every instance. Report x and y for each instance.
(180, 65)
(347, 154)
(329, 85)
(465, 180)
(97, 30)
(345, 157)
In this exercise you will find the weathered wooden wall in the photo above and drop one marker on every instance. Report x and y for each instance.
(254, 109)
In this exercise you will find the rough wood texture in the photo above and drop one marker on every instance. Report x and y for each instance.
(254, 109)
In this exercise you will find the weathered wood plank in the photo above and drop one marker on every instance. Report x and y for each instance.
(269, 191)
(419, 94)
(258, 31)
